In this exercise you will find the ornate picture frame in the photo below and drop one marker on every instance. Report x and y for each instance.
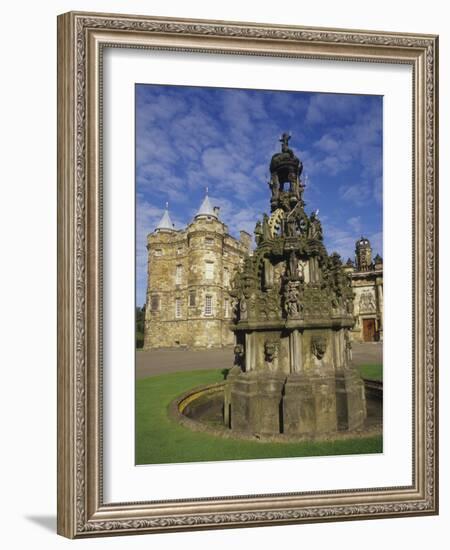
(82, 38)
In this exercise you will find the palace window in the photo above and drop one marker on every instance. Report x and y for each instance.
(227, 308)
(178, 274)
(209, 270)
(208, 305)
(226, 277)
(177, 308)
(158, 252)
(154, 302)
(209, 240)
(179, 250)
(192, 298)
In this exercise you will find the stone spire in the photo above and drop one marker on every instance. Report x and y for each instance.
(165, 224)
(206, 208)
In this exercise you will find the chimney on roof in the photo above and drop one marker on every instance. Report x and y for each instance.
(246, 239)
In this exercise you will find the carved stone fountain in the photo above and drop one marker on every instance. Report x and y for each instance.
(292, 315)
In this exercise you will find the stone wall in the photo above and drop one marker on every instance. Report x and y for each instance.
(195, 309)
(368, 302)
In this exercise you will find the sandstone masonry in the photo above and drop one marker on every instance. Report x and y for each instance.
(367, 284)
(189, 278)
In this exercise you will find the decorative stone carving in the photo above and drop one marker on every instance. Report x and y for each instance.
(268, 274)
(300, 271)
(239, 355)
(315, 228)
(285, 167)
(235, 308)
(271, 351)
(274, 186)
(243, 312)
(279, 311)
(269, 305)
(291, 227)
(266, 233)
(367, 302)
(292, 302)
(293, 265)
(318, 346)
(275, 221)
(348, 346)
(258, 232)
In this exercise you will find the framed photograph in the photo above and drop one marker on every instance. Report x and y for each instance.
(247, 285)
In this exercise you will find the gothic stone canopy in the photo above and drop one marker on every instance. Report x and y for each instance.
(293, 308)
(290, 275)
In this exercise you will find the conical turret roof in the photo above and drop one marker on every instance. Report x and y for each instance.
(165, 222)
(206, 208)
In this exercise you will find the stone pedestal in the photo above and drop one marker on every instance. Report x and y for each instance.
(255, 402)
(298, 406)
(309, 404)
(314, 403)
(351, 399)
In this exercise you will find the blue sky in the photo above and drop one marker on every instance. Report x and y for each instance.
(190, 138)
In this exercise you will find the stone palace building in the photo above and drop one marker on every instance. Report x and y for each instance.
(189, 281)
(189, 278)
(367, 284)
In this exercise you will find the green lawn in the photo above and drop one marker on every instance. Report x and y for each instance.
(160, 439)
(372, 372)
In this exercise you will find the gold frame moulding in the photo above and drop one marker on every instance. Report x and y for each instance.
(81, 40)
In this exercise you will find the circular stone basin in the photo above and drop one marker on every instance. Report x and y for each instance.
(204, 404)
(201, 409)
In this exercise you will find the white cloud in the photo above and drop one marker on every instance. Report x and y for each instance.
(239, 218)
(357, 194)
(323, 106)
(339, 240)
(163, 106)
(327, 143)
(355, 223)
(376, 242)
(378, 190)
(217, 163)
